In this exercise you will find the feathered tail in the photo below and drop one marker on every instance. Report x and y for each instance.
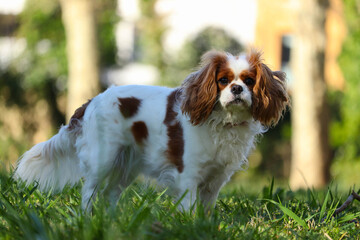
(52, 164)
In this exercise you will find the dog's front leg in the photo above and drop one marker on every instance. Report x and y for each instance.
(210, 188)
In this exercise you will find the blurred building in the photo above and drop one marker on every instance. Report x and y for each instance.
(276, 22)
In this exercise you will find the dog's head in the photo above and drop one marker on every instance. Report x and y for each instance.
(239, 85)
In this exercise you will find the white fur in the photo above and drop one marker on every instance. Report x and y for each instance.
(237, 63)
(52, 164)
(102, 149)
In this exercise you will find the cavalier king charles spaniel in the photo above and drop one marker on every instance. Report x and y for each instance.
(191, 139)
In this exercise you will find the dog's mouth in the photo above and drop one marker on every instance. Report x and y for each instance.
(237, 100)
(238, 103)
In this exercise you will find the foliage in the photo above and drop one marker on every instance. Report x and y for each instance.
(41, 25)
(210, 38)
(40, 73)
(345, 132)
(275, 148)
(188, 58)
(142, 213)
(151, 28)
(106, 16)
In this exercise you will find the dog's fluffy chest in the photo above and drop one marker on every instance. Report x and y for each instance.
(218, 147)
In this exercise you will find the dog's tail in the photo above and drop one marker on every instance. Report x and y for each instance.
(52, 164)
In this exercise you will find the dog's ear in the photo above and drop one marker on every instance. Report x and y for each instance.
(200, 88)
(270, 97)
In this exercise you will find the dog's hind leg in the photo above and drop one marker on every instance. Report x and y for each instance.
(97, 159)
(88, 193)
(125, 169)
(95, 178)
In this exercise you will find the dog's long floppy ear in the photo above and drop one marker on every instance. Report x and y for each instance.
(270, 97)
(200, 88)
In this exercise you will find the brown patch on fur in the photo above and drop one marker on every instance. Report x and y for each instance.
(170, 115)
(129, 106)
(176, 146)
(175, 149)
(201, 87)
(139, 131)
(269, 98)
(78, 115)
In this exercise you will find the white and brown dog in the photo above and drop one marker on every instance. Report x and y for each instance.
(191, 138)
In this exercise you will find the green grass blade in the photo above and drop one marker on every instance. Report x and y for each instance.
(178, 202)
(291, 214)
(142, 213)
(323, 207)
(271, 189)
(349, 217)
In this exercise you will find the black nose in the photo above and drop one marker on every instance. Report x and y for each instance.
(236, 89)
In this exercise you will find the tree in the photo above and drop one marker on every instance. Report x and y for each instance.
(82, 51)
(345, 132)
(310, 159)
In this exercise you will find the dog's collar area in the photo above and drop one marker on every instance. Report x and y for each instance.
(240, 124)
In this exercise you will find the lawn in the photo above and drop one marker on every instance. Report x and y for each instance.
(143, 213)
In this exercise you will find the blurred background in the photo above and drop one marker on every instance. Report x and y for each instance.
(54, 55)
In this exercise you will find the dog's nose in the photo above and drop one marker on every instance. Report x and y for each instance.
(236, 89)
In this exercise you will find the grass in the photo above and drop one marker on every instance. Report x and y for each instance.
(143, 213)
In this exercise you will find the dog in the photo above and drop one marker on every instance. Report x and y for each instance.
(191, 139)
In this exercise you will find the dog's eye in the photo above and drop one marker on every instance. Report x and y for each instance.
(223, 81)
(249, 81)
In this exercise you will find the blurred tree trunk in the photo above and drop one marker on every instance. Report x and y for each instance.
(310, 159)
(82, 51)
